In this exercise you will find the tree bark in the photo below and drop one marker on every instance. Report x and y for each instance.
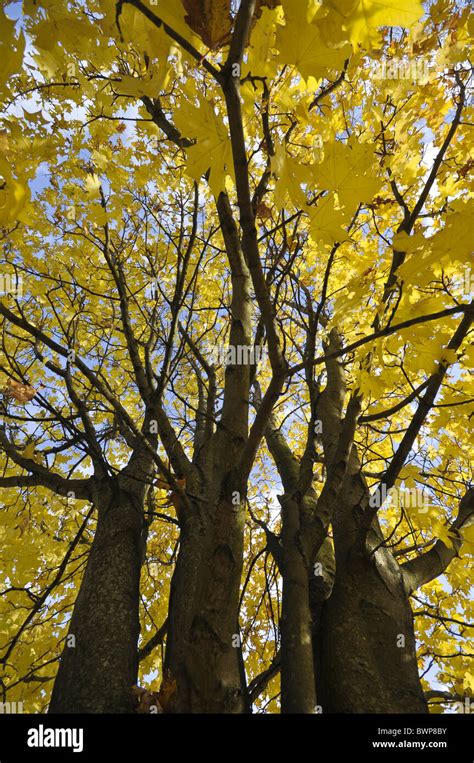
(100, 666)
(364, 642)
(202, 652)
(298, 693)
(365, 648)
(366, 659)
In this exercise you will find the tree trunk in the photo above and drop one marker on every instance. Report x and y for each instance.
(366, 651)
(202, 652)
(364, 642)
(297, 670)
(100, 665)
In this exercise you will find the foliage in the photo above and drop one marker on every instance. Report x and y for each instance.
(116, 144)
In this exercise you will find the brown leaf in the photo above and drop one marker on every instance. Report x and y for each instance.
(23, 393)
(167, 691)
(210, 20)
(146, 701)
(263, 212)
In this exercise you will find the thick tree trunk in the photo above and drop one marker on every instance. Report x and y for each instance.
(297, 670)
(202, 652)
(366, 651)
(99, 667)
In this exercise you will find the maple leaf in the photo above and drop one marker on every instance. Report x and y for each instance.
(92, 186)
(212, 150)
(211, 20)
(303, 46)
(350, 171)
(363, 18)
(327, 221)
(22, 393)
(11, 47)
(290, 175)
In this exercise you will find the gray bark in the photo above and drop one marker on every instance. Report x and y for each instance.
(203, 648)
(97, 672)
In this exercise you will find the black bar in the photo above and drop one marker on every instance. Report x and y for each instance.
(316, 738)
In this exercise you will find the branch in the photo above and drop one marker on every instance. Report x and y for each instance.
(329, 89)
(258, 685)
(234, 416)
(395, 408)
(243, 23)
(387, 331)
(116, 269)
(154, 641)
(428, 566)
(337, 471)
(446, 696)
(160, 119)
(409, 219)
(247, 221)
(158, 22)
(40, 474)
(439, 158)
(424, 407)
(286, 462)
(257, 430)
(250, 249)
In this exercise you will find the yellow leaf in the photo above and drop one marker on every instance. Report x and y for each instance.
(350, 171)
(290, 175)
(13, 197)
(212, 150)
(92, 185)
(328, 221)
(302, 46)
(363, 18)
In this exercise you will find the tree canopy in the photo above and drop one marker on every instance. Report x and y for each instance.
(236, 285)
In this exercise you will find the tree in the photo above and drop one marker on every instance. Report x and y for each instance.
(236, 247)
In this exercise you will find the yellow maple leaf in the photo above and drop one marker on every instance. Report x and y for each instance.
(92, 185)
(363, 18)
(350, 171)
(302, 46)
(289, 175)
(212, 150)
(327, 222)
